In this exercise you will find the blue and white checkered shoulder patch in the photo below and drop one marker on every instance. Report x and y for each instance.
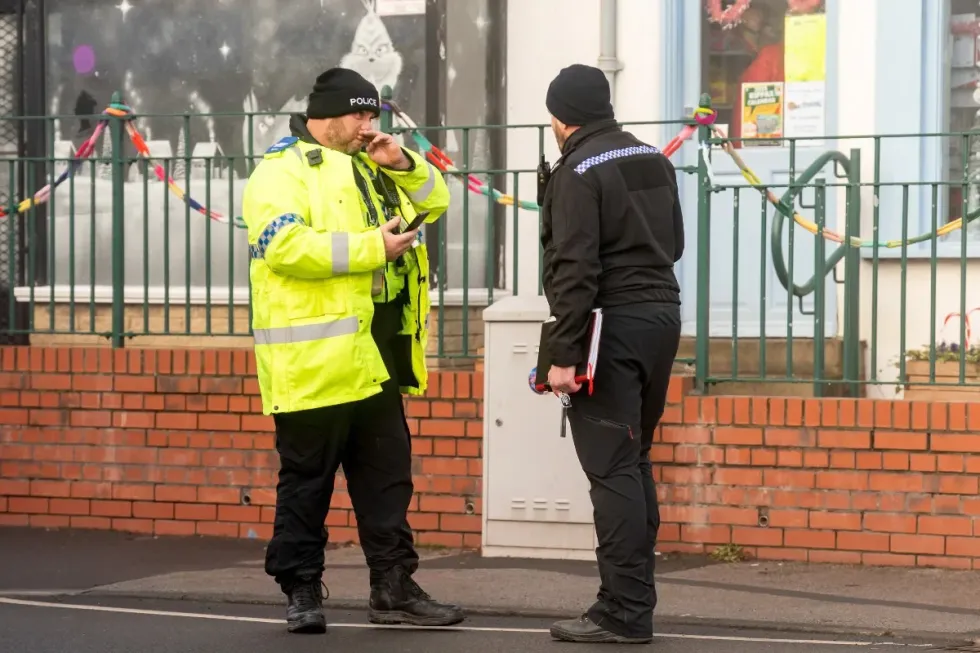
(274, 227)
(615, 154)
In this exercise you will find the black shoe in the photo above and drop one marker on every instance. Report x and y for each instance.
(398, 599)
(584, 630)
(304, 611)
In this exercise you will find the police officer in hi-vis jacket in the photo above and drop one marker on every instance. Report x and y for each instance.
(340, 299)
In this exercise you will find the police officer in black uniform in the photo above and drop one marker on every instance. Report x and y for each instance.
(612, 232)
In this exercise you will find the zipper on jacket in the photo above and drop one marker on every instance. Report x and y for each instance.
(418, 319)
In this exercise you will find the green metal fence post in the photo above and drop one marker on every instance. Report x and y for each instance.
(702, 348)
(386, 120)
(852, 278)
(819, 289)
(118, 227)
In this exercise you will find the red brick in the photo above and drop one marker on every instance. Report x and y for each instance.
(10, 487)
(93, 523)
(706, 534)
(28, 505)
(211, 422)
(888, 559)
(195, 512)
(436, 538)
(967, 443)
(49, 521)
(133, 525)
(838, 521)
(757, 536)
(423, 521)
(890, 522)
(927, 544)
(945, 525)
(733, 515)
(958, 485)
(771, 553)
(49, 488)
(111, 508)
(153, 510)
(737, 435)
(239, 513)
(863, 541)
(219, 495)
(436, 427)
(69, 507)
(133, 492)
(166, 527)
(835, 557)
(810, 539)
(844, 439)
(223, 529)
(898, 440)
(790, 437)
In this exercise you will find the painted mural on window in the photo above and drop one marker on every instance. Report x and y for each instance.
(230, 57)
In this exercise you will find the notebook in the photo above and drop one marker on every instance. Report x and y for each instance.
(585, 374)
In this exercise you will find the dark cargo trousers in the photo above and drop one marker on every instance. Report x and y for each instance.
(613, 431)
(370, 440)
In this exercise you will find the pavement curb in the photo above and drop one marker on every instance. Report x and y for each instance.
(937, 639)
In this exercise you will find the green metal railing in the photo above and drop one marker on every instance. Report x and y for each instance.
(898, 268)
(113, 253)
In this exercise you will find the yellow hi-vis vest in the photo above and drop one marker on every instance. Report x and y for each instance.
(314, 259)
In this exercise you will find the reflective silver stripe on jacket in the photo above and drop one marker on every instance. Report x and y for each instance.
(423, 193)
(340, 254)
(306, 332)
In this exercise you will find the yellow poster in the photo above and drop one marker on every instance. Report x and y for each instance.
(806, 48)
(762, 112)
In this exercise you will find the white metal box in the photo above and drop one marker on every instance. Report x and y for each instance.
(536, 496)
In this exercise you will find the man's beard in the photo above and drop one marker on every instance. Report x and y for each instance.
(337, 141)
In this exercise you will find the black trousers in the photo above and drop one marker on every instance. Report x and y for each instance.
(370, 440)
(612, 431)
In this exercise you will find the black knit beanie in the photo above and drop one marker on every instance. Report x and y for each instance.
(340, 91)
(579, 95)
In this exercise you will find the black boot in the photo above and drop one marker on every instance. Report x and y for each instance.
(584, 629)
(397, 599)
(304, 611)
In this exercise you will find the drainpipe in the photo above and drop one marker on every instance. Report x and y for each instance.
(608, 61)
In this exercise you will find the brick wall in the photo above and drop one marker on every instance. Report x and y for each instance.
(174, 442)
(878, 482)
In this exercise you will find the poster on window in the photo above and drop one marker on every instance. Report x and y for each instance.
(762, 113)
(806, 72)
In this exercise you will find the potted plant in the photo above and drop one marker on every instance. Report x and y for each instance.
(933, 373)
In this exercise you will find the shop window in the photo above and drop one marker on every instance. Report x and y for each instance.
(962, 57)
(765, 67)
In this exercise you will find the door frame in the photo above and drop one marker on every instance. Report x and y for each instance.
(681, 54)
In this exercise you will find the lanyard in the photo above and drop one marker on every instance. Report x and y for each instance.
(362, 186)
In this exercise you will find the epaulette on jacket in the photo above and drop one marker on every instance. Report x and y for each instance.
(282, 145)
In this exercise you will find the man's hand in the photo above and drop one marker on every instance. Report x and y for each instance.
(396, 244)
(383, 150)
(562, 379)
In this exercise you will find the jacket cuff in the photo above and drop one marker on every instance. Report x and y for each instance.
(412, 164)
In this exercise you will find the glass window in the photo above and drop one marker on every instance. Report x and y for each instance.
(764, 63)
(962, 57)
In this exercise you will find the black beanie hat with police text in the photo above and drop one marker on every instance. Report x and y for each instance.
(340, 91)
(580, 95)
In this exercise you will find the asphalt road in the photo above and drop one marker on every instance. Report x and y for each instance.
(88, 625)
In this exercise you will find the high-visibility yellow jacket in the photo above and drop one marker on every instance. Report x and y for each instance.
(315, 257)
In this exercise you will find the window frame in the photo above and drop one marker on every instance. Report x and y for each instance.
(935, 118)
